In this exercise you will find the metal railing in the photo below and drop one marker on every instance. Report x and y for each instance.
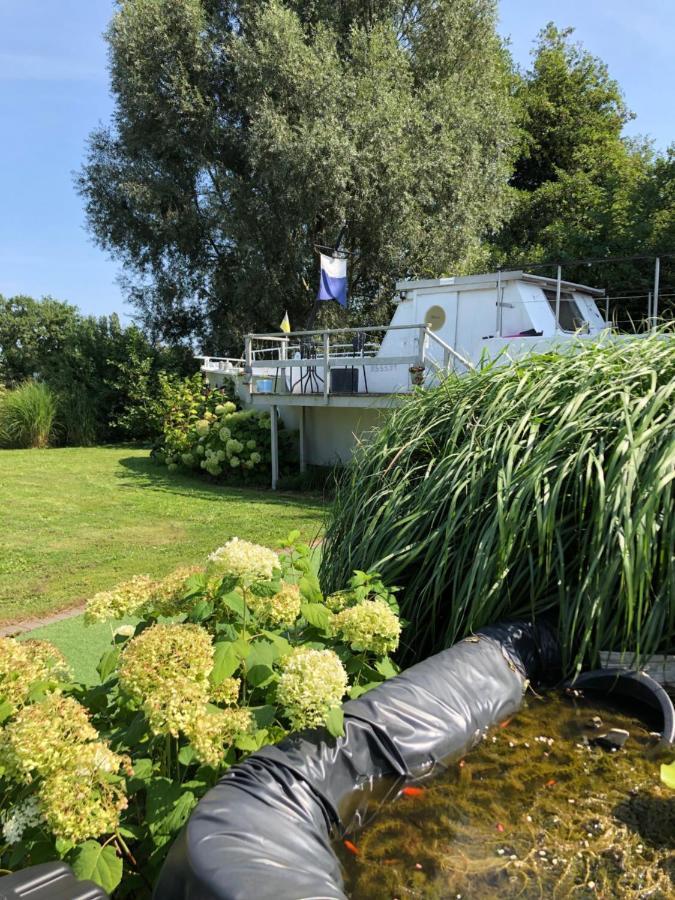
(314, 353)
(220, 363)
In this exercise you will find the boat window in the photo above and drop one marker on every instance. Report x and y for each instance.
(435, 318)
(571, 317)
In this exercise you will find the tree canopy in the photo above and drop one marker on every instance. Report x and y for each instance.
(103, 373)
(579, 188)
(244, 133)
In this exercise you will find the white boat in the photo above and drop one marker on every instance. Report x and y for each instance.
(333, 385)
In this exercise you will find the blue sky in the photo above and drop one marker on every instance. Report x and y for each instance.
(54, 90)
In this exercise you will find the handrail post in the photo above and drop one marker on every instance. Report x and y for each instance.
(326, 366)
(422, 340)
(557, 300)
(248, 362)
(655, 299)
(500, 308)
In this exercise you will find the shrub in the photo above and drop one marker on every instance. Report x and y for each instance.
(203, 431)
(27, 416)
(544, 487)
(105, 375)
(223, 660)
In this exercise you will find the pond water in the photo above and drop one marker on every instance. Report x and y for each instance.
(537, 810)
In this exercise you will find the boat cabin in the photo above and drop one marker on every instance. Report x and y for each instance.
(333, 385)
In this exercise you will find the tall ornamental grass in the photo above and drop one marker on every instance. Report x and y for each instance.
(26, 416)
(544, 487)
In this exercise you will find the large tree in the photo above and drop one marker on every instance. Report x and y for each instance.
(580, 189)
(244, 133)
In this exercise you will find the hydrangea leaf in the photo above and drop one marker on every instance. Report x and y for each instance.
(227, 657)
(92, 862)
(310, 588)
(317, 615)
(668, 775)
(108, 664)
(235, 602)
(262, 653)
(335, 722)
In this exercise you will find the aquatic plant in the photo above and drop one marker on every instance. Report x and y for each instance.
(543, 487)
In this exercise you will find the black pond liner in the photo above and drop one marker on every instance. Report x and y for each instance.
(266, 829)
(637, 686)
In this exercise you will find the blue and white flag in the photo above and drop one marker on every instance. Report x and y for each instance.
(333, 284)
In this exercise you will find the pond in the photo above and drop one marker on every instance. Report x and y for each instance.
(543, 807)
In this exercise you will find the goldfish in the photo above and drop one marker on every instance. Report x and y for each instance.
(412, 791)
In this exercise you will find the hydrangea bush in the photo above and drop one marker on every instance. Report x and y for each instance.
(224, 659)
(205, 432)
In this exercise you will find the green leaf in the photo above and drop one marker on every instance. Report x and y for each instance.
(63, 846)
(668, 775)
(227, 657)
(92, 862)
(359, 689)
(167, 806)
(39, 689)
(108, 663)
(335, 722)
(195, 584)
(386, 667)
(262, 653)
(317, 615)
(186, 755)
(6, 710)
(282, 646)
(249, 743)
(263, 715)
(200, 611)
(310, 588)
(234, 601)
(259, 676)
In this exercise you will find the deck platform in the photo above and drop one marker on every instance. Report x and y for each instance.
(345, 400)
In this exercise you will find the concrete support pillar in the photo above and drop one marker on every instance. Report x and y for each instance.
(303, 461)
(275, 448)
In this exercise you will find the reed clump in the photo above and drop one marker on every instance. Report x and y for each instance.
(542, 487)
(27, 416)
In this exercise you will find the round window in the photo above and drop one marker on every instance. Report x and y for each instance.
(435, 318)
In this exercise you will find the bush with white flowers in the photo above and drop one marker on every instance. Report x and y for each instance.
(224, 659)
(205, 432)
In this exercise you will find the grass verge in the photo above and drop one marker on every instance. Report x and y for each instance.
(74, 521)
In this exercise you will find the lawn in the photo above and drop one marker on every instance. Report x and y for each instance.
(74, 521)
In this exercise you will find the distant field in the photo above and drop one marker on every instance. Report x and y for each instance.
(74, 521)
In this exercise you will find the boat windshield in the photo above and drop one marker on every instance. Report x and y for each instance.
(571, 317)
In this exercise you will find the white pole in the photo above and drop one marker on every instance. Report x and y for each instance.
(557, 300)
(326, 366)
(275, 448)
(655, 299)
(499, 303)
(303, 461)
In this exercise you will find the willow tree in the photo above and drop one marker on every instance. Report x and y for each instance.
(244, 133)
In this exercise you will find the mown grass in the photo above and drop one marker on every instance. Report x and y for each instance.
(74, 521)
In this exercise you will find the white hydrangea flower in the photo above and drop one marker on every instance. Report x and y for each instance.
(20, 817)
(311, 684)
(372, 625)
(245, 560)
